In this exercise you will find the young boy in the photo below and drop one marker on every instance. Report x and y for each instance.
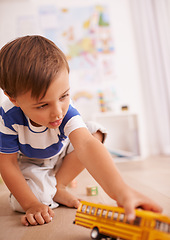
(44, 142)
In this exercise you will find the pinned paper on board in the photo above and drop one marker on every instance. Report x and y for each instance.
(85, 35)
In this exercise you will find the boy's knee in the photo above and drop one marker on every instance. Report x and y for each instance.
(97, 130)
(99, 135)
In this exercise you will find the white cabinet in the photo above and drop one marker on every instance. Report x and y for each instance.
(122, 130)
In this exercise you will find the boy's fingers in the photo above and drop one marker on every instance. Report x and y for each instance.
(130, 217)
(46, 216)
(39, 218)
(24, 221)
(129, 211)
(51, 212)
(146, 205)
(157, 208)
(31, 219)
(151, 206)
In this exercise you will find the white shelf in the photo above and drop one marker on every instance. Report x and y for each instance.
(122, 132)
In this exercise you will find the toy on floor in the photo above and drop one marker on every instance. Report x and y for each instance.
(108, 221)
(92, 190)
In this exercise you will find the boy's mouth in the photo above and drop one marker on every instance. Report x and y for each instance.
(56, 123)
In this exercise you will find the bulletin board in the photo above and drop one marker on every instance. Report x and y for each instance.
(85, 35)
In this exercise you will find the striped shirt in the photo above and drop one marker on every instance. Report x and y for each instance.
(17, 134)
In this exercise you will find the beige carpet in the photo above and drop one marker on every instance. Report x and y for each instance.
(151, 176)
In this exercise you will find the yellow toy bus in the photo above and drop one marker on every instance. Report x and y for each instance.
(108, 221)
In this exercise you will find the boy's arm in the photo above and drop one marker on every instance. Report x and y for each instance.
(97, 160)
(100, 164)
(18, 186)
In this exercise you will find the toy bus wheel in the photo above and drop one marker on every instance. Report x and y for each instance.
(95, 234)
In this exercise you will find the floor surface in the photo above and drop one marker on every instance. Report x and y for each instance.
(151, 176)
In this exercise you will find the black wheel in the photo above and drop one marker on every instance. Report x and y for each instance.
(95, 234)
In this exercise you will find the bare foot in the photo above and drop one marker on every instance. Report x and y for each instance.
(64, 197)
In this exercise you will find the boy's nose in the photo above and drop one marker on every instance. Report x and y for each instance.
(56, 111)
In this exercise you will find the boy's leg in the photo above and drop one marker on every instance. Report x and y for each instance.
(70, 168)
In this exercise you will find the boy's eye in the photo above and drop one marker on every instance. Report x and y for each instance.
(42, 106)
(64, 96)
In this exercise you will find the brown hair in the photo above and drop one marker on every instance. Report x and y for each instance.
(30, 63)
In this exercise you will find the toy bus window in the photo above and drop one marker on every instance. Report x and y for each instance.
(104, 213)
(169, 228)
(164, 227)
(93, 210)
(137, 221)
(115, 215)
(109, 214)
(98, 211)
(121, 218)
(129, 222)
(83, 208)
(161, 228)
(88, 209)
(157, 226)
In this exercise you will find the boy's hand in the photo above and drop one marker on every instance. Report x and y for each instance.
(133, 199)
(37, 214)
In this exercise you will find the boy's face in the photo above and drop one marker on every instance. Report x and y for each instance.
(51, 109)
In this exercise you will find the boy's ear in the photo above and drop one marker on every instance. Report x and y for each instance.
(13, 100)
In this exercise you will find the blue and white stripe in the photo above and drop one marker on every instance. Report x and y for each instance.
(17, 133)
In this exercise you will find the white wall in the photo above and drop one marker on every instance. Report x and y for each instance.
(126, 63)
